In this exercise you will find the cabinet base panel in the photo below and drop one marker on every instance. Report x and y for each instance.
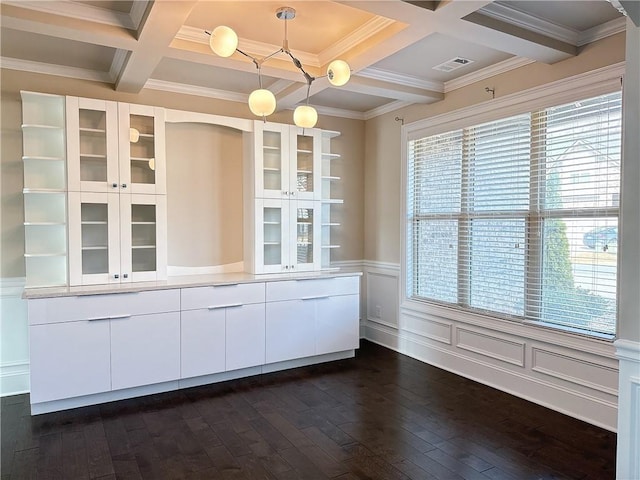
(69, 403)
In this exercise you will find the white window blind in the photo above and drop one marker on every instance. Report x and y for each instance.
(518, 217)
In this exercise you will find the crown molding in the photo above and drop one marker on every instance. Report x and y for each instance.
(602, 31)
(386, 108)
(338, 112)
(137, 12)
(258, 49)
(153, 84)
(488, 72)
(401, 79)
(79, 11)
(57, 70)
(513, 16)
(117, 63)
(359, 35)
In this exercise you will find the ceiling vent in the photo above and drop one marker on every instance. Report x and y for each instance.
(453, 64)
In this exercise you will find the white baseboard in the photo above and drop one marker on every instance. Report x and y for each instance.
(575, 376)
(14, 360)
(628, 461)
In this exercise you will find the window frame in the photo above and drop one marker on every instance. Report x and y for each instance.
(593, 84)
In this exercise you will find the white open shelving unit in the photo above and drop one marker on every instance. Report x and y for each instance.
(328, 214)
(45, 211)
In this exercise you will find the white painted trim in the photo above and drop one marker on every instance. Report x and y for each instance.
(529, 22)
(117, 63)
(339, 112)
(153, 84)
(174, 271)
(86, 13)
(488, 72)
(386, 108)
(12, 286)
(57, 70)
(394, 267)
(401, 79)
(510, 378)
(355, 38)
(628, 462)
(594, 82)
(14, 375)
(183, 116)
(599, 32)
(137, 12)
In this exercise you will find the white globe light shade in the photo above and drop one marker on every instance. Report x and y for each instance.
(134, 135)
(338, 72)
(262, 102)
(223, 41)
(305, 116)
(152, 163)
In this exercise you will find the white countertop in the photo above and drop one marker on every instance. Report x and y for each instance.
(184, 281)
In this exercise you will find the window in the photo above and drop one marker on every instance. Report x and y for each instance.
(518, 217)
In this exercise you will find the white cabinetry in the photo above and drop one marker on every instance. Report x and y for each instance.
(286, 161)
(283, 189)
(311, 317)
(45, 214)
(287, 236)
(97, 343)
(117, 206)
(145, 349)
(222, 328)
(69, 359)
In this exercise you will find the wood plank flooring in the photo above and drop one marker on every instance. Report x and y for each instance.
(381, 415)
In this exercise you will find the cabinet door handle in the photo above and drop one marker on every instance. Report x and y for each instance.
(231, 305)
(114, 185)
(124, 185)
(118, 317)
(319, 297)
(125, 275)
(97, 319)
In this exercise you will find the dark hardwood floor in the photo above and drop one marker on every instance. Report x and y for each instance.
(381, 415)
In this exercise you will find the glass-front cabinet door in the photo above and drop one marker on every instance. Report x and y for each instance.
(141, 152)
(94, 253)
(271, 145)
(142, 234)
(305, 179)
(305, 245)
(92, 145)
(272, 236)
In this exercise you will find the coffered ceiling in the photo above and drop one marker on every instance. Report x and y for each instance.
(400, 52)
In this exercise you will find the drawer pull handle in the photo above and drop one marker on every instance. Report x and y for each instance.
(319, 297)
(113, 317)
(232, 305)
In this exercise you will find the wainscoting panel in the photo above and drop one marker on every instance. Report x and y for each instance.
(14, 338)
(575, 375)
(491, 345)
(575, 369)
(381, 282)
(628, 461)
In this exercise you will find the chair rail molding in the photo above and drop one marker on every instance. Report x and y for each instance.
(14, 338)
(628, 462)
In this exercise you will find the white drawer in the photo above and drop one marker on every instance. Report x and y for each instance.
(222, 296)
(93, 307)
(309, 288)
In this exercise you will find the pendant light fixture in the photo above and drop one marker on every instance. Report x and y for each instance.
(262, 102)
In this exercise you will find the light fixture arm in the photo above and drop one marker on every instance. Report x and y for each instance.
(262, 102)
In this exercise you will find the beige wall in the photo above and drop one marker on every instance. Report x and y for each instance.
(382, 159)
(206, 243)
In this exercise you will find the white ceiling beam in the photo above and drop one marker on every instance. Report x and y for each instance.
(33, 21)
(156, 33)
(380, 88)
